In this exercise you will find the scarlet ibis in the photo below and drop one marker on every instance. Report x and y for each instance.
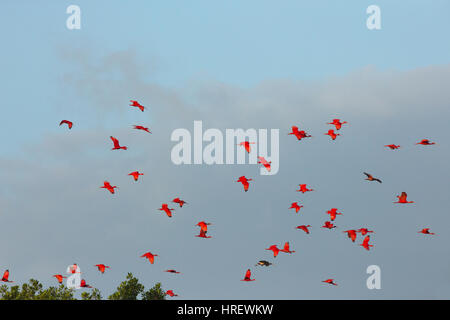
(264, 163)
(328, 225)
(303, 188)
(371, 178)
(330, 281)
(244, 181)
(170, 293)
(102, 267)
(83, 284)
(69, 123)
(203, 225)
(202, 234)
(364, 231)
(135, 175)
(392, 146)
(246, 145)
(134, 103)
(365, 243)
(179, 201)
(426, 142)
(5, 277)
(426, 231)
(403, 198)
(295, 206)
(333, 213)
(299, 134)
(332, 134)
(274, 249)
(59, 277)
(166, 209)
(337, 123)
(142, 128)
(286, 248)
(150, 256)
(108, 186)
(304, 228)
(248, 275)
(171, 271)
(263, 263)
(116, 144)
(351, 234)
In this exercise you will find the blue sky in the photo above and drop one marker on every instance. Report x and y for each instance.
(200, 57)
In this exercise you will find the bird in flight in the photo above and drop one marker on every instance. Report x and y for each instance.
(202, 234)
(263, 263)
(332, 134)
(264, 163)
(303, 188)
(371, 178)
(69, 123)
(166, 209)
(141, 128)
(426, 142)
(304, 228)
(246, 145)
(150, 256)
(299, 134)
(333, 213)
(244, 181)
(330, 281)
(402, 198)
(135, 175)
(392, 146)
(274, 249)
(295, 206)
(134, 103)
(108, 186)
(179, 201)
(203, 225)
(83, 284)
(337, 123)
(102, 267)
(116, 144)
(364, 231)
(5, 277)
(351, 234)
(170, 293)
(248, 275)
(426, 231)
(365, 243)
(328, 225)
(286, 248)
(59, 277)
(171, 271)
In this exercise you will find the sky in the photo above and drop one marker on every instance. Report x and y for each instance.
(230, 64)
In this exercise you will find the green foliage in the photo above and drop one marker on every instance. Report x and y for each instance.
(155, 293)
(129, 289)
(94, 295)
(33, 290)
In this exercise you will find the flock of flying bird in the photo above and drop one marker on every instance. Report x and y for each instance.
(303, 188)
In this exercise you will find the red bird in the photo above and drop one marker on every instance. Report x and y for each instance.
(150, 256)
(246, 145)
(171, 271)
(248, 275)
(295, 206)
(299, 134)
(166, 209)
(351, 234)
(333, 213)
(328, 225)
(202, 234)
(337, 123)
(365, 243)
(426, 231)
(275, 250)
(371, 178)
(392, 146)
(364, 231)
(83, 284)
(170, 293)
(108, 186)
(426, 142)
(264, 163)
(69, 123)
(134, 103)
(402, 198)
(330, 281)
(203, 225)
(135, 175)
(332, 134)
(101, 267)
(179, 201)
(141, 128)
(244, 181)
(303, 188)
(286, 248)
(5, 277)
(59, 277)
(116, 144)
(304, 228)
